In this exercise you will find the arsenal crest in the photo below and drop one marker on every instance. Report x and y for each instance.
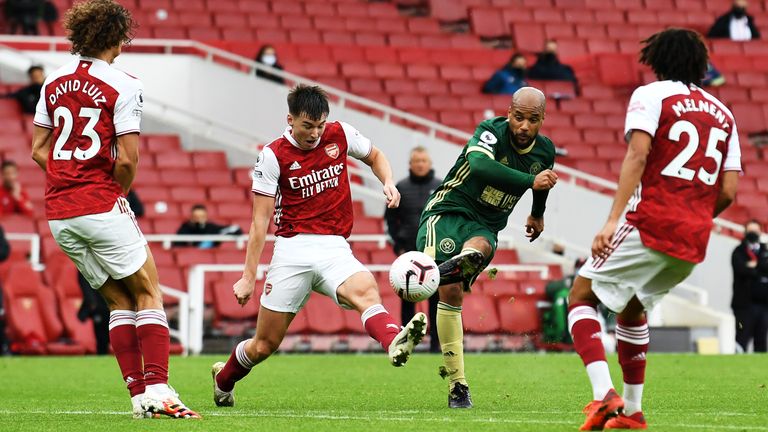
(332, 150)
(267, 288)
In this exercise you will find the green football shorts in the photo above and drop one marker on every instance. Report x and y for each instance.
(442, 236)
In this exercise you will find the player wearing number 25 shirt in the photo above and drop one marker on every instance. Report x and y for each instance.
(86, 138)
(681, 170)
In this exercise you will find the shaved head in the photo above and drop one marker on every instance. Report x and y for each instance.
(530, 97)
(526, 113)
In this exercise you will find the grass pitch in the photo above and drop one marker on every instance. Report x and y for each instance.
(512, 392)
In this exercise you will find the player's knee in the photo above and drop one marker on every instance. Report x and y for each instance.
(452, 294)
(581, 291)
(259, 349)
(480, 243)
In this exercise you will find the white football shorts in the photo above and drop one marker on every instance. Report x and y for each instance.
(633, 270)
(103, 245)
(306, 263)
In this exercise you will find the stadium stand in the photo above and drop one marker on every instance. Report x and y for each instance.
(427, 57)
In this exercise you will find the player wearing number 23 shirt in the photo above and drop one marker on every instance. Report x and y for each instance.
(86, 139)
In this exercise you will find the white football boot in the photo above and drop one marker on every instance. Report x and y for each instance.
(410, 336)
(220, 397)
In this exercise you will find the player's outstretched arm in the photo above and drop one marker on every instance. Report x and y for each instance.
(41, 145)
(263, 207)
(730, 183)
(631, 173)
(127, 160)
(507, 179)
(383, 171)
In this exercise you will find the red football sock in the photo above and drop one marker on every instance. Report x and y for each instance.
(237, 367)
(380, 325)
(125, 344)
(155, 343)
(586, 332)
(633, 338)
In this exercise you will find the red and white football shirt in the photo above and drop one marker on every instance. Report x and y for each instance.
(88, 104)
(694, 140)
(311, 187)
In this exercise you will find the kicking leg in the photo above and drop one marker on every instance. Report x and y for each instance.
(270, 331)
(361, 292)
(633, 338)
(587, 340)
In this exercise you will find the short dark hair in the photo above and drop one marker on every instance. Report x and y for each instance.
(753, 221)
(94, 26)
(311, 101)
(34, 68)
(8, 163)
(515, 56)
(198, 207)
(676, 54)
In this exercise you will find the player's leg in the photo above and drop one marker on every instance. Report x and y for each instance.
(122, 320)
(124, 340)
(632, 337)
(434, 338)
(271, 327)
(407, 309)
(360, 292)
(121, 250)
(663, 273)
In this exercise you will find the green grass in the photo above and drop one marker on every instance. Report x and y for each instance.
(512, 392)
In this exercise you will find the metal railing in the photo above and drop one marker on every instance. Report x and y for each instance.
(196, 290)
(34, 249)
(343, 98)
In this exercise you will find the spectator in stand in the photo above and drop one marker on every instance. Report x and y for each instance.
(268, 56)
(736, 24)
(403, 224)
(24, 14)
(13, 199)
(30, 94)
(510, 78)
(548, 66)
(750, 289)
(135, 202)
(5, 250)
(198, 224)
(50, 16)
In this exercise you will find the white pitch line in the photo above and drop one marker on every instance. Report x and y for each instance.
(330, 416)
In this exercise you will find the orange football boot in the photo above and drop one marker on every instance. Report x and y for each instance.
(635, 421)
(598, 412)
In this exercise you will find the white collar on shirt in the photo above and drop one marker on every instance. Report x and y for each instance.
(287, 135)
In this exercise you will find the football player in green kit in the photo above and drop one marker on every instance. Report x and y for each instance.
(459, 225)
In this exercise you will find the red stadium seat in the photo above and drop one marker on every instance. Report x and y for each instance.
(447, 10)
(70, 297)
(226, 308)
(487, 23)
(323, 315)
(480, 315)
(32, 315)
(519, 316)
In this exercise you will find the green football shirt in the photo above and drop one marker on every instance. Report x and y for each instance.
(464, 193)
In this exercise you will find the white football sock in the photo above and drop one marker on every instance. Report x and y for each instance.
(600, 377)
(633, 395)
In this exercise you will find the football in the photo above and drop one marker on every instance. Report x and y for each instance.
(414, 276)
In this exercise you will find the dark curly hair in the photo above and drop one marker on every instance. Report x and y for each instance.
(676, 54)
(94, 26)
